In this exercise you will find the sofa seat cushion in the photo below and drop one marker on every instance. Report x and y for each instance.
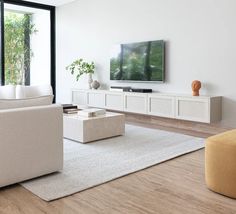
(28, 102)
(8, 92)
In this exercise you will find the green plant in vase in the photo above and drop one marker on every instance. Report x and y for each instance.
(80, 67)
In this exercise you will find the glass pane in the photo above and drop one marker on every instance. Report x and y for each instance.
(27, 45)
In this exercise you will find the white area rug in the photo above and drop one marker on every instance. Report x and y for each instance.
(88, 165)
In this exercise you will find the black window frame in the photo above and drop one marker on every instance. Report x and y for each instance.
(52, 10)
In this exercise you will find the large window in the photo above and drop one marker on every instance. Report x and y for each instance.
(28, 43)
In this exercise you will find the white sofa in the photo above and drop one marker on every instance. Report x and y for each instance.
(25, 96)
(31, 143)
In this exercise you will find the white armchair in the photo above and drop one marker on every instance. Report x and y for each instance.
(31, 143)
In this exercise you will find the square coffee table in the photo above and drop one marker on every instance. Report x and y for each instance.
(84, 129)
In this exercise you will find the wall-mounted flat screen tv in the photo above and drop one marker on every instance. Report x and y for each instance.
(142, 61)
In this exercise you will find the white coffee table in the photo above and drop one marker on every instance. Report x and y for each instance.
(84, 130)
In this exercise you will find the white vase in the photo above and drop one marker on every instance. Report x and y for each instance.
(90, 80)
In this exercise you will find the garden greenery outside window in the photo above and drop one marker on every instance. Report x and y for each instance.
(18, 28)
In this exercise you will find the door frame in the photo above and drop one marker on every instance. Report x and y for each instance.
(52, 10)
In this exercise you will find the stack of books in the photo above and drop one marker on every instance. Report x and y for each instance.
(70, 108)
(91, 112)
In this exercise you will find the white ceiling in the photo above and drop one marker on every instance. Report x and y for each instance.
(52, 2)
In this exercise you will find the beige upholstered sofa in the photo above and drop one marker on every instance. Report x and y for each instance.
(31, 137)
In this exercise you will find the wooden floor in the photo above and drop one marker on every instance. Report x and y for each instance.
(174, 187)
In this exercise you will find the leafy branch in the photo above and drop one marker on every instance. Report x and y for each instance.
(80, 67)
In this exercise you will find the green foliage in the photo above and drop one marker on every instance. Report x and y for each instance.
(80, 67)
(134, 61)
(115, 68)
(16, 26)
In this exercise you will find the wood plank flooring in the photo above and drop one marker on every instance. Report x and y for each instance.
(174, 187)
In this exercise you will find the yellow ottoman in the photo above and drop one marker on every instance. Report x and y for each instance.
(220, 163)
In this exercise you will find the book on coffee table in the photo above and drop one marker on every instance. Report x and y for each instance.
(69, 106)
(70, 111)
(91, 112)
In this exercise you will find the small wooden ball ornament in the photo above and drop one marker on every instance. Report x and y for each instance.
(196, 85)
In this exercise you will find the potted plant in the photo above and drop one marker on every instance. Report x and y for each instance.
(80, 67)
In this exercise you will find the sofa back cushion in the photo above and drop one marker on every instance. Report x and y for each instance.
(27, 102)
(8, 92)
(23, 92)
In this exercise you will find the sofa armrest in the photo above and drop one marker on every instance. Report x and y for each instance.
(31, 142)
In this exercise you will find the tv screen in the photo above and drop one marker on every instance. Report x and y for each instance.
(142, 61)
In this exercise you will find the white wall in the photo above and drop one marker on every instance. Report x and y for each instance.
(40, 45)
(200, 43)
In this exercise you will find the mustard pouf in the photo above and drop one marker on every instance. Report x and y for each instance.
(220, 163)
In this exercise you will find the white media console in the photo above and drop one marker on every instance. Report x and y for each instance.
(204, 109)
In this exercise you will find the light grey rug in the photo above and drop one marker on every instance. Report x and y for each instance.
(88, 165)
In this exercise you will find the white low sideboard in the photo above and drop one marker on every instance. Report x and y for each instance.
(206, 109)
